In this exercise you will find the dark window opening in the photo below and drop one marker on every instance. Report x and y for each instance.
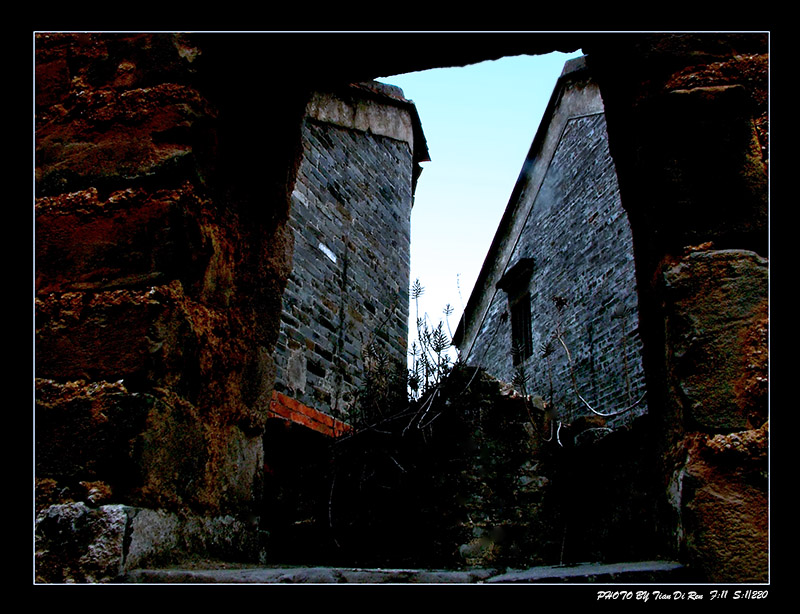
(521, 335)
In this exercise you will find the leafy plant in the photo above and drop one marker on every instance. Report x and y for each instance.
(430, 354)
(383, 390)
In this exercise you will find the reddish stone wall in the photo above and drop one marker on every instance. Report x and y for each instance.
(158, 282)
(688, 129)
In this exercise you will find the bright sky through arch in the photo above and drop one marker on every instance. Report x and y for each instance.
(479, 122)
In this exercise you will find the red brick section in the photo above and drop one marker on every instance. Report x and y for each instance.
(287, 408)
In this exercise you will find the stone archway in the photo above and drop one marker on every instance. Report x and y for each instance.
(174, 156)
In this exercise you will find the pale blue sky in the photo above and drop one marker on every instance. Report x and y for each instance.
(479, 122)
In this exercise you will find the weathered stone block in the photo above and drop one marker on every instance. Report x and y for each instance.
(709, 153)
(86, 432)
(724, 502)
(98, 442)
(256, 386)
(155, 537)
(75, 543)
(131, 238)
(102, 335)
(117, 111)
(717, 321)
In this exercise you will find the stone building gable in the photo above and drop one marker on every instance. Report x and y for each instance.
(560, 279)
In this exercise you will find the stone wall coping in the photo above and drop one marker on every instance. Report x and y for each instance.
(372, 107)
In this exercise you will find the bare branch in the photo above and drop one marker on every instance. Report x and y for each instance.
(615, 413)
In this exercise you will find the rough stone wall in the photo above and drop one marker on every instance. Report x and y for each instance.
(717, 365)
(456, 480)
(582, 288)
(348, 291)
(470, 477)
(157, 297)
(688, 127)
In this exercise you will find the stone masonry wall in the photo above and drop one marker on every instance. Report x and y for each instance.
(688, 124)
(579, 238)
(348, 291)
(160, 264)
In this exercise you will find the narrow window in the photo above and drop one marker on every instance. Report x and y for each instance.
(521, 335)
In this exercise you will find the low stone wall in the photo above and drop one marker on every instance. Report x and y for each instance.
(474, 477)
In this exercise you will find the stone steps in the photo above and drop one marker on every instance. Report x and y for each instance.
(615, 573)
